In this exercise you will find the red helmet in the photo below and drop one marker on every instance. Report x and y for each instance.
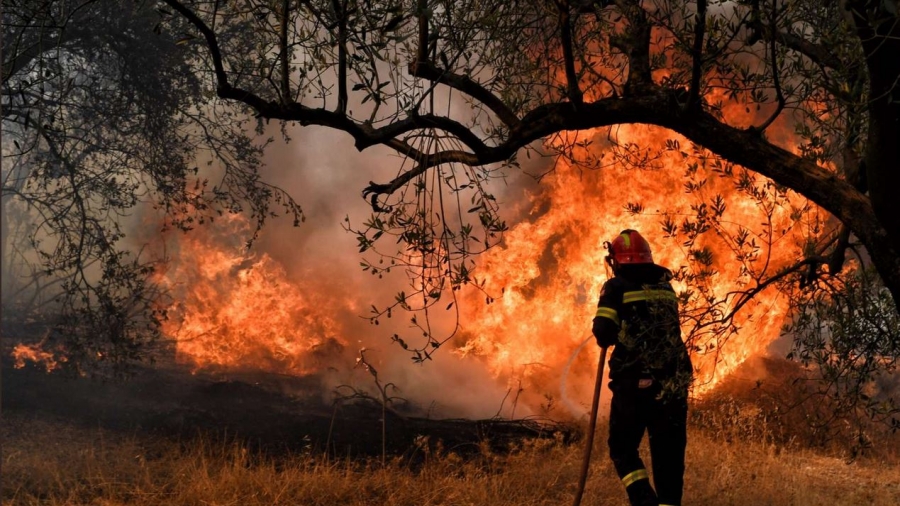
(629, 248)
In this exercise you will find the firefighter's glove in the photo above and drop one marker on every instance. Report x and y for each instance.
(606, 332)
(605, 343)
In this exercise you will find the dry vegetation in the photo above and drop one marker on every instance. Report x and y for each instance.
(55, 463)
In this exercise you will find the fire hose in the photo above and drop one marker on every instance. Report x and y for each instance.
(589, 443)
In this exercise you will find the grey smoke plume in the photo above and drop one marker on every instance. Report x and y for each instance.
(323, 172)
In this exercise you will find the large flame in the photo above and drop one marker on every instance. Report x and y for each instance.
(238, 310)
(551, 266)
(234, 309)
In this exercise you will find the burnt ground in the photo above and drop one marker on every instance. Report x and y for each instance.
(264, 411)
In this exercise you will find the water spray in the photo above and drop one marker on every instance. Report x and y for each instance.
(573, 409)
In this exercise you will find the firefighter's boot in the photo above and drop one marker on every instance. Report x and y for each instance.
(640, 493)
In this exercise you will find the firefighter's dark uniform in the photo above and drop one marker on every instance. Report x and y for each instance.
(650, 371)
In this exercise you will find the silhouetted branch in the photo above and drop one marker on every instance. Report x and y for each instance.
(697, 65)
(565, 37)
(776, 80)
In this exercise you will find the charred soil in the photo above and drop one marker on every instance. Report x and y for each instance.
(266, 412)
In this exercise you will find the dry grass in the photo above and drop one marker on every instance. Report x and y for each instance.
(56, 464)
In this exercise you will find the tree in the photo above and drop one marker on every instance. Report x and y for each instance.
(461, 88)
(529, 70)
(102, 115)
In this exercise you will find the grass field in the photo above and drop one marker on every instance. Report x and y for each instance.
(54, 463)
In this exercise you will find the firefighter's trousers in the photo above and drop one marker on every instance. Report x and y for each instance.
(633, 411)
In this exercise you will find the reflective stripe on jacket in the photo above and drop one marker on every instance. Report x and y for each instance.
(638, 314)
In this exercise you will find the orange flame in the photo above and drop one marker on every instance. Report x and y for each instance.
(236, 310)
(551, 266)
(36, 354)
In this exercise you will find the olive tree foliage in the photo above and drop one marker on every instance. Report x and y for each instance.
(461, 89)
(529, 70)
(104, 120)
(846, 327)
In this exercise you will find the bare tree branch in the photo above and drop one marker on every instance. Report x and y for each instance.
(425, 69)
(636, 45)
(340, 10)
(697, 70)
(212, 42)
(565, 36)
(285, 53)
(818, 54)
(67, 31)
(469, 87)
(776, 80)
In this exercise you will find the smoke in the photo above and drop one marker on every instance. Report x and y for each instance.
(556, 257)
(295, 303)
(316, 283)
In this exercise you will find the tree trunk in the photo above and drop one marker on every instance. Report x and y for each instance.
(881, 45)
(4, 254)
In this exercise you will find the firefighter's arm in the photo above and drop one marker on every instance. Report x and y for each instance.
(606, 321)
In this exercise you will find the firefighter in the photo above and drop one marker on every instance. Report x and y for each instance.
(650, 371)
